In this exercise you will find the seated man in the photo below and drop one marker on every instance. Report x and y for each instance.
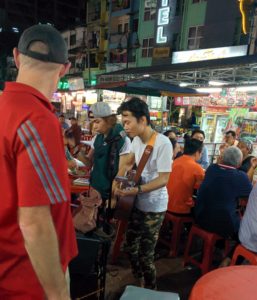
(249, 163)
(216, 205)
(199, 134)
(177, 152)
(248, 226)
(185, 176)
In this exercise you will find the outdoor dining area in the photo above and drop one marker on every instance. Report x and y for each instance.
(182, 245)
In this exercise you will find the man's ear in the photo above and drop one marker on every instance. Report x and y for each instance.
(143, 120)
(16, 57)
(65, 68)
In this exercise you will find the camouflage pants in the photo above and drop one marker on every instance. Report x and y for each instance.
(141, 237)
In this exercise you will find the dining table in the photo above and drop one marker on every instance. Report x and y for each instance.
(77, 189)
(229, 283)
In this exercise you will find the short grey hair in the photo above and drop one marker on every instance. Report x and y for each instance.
(232, 156)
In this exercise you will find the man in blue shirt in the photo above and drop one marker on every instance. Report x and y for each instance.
(223, 185)
(63, 123)
(204, 160)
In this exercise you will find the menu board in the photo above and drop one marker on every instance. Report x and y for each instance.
(249, 130)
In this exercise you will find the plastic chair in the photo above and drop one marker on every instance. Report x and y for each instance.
(121, 228)
(177, 227)
(245, 253)
(209, 240)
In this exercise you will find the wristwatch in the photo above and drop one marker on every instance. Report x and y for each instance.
(139, 189)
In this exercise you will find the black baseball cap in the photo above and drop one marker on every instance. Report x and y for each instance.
(47, 34)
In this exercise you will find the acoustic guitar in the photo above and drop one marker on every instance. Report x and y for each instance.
(125, 204)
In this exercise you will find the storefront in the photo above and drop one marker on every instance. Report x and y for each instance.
(158, 111)
(75, 104)
(223, 110)
(114, 99)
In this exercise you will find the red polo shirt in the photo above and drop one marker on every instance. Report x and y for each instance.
(33, 173)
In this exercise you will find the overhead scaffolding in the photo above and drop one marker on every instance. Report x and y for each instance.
(232, 71)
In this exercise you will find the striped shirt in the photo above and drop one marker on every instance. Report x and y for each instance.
(33, 173)
(248, 226)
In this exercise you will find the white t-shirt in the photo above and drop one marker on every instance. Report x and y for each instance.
(159, 161)
(125, 149)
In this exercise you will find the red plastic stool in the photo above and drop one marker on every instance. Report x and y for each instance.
(247, 254)
(177, 226)
(209, 240)
(121, 228)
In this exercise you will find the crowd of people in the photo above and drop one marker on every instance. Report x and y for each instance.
(37, 239)
(218, 188)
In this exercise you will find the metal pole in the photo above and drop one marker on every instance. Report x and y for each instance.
(88, 61)
(127, 50)
(162, 113)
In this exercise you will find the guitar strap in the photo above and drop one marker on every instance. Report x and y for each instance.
(145, 156)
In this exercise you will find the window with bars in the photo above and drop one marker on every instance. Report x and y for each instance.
(73, 39)
(150, 10)
(119, 28)
(147, 47)
(123, 28)
(195, 35)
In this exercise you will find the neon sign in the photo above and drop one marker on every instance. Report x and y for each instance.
(246, 9)
(163, 19)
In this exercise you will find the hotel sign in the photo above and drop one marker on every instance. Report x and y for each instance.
(162, 20)
(208, 54)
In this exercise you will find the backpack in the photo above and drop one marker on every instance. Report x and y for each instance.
(85, 215)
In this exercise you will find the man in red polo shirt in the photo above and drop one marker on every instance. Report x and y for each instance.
(37, 239)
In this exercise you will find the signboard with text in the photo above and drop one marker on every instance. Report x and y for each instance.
(161, 52)
(229, 97)
(208, 54)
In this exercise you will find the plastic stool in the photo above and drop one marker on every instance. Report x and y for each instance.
(177, 226)
(209, 240)
(133, 292)
(121, 228)
(245, 253)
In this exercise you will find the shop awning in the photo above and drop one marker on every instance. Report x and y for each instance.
(149, 87)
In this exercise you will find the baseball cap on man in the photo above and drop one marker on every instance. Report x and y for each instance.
(47, 34)
(101, 110)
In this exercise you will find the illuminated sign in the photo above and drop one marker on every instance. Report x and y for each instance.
(245, 7)
(63, 84)
(207, 54)
(163, 19)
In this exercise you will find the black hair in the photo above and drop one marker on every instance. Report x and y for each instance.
(166, 133)
(186, 136)
(68, 134)
(73, 118)
(192, 146)
(173, 142)
(137, 107)
(198, 131)
(232, 132)
(61, 116)
(246, 164)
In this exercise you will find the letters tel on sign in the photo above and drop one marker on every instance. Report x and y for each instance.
(163, 19)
